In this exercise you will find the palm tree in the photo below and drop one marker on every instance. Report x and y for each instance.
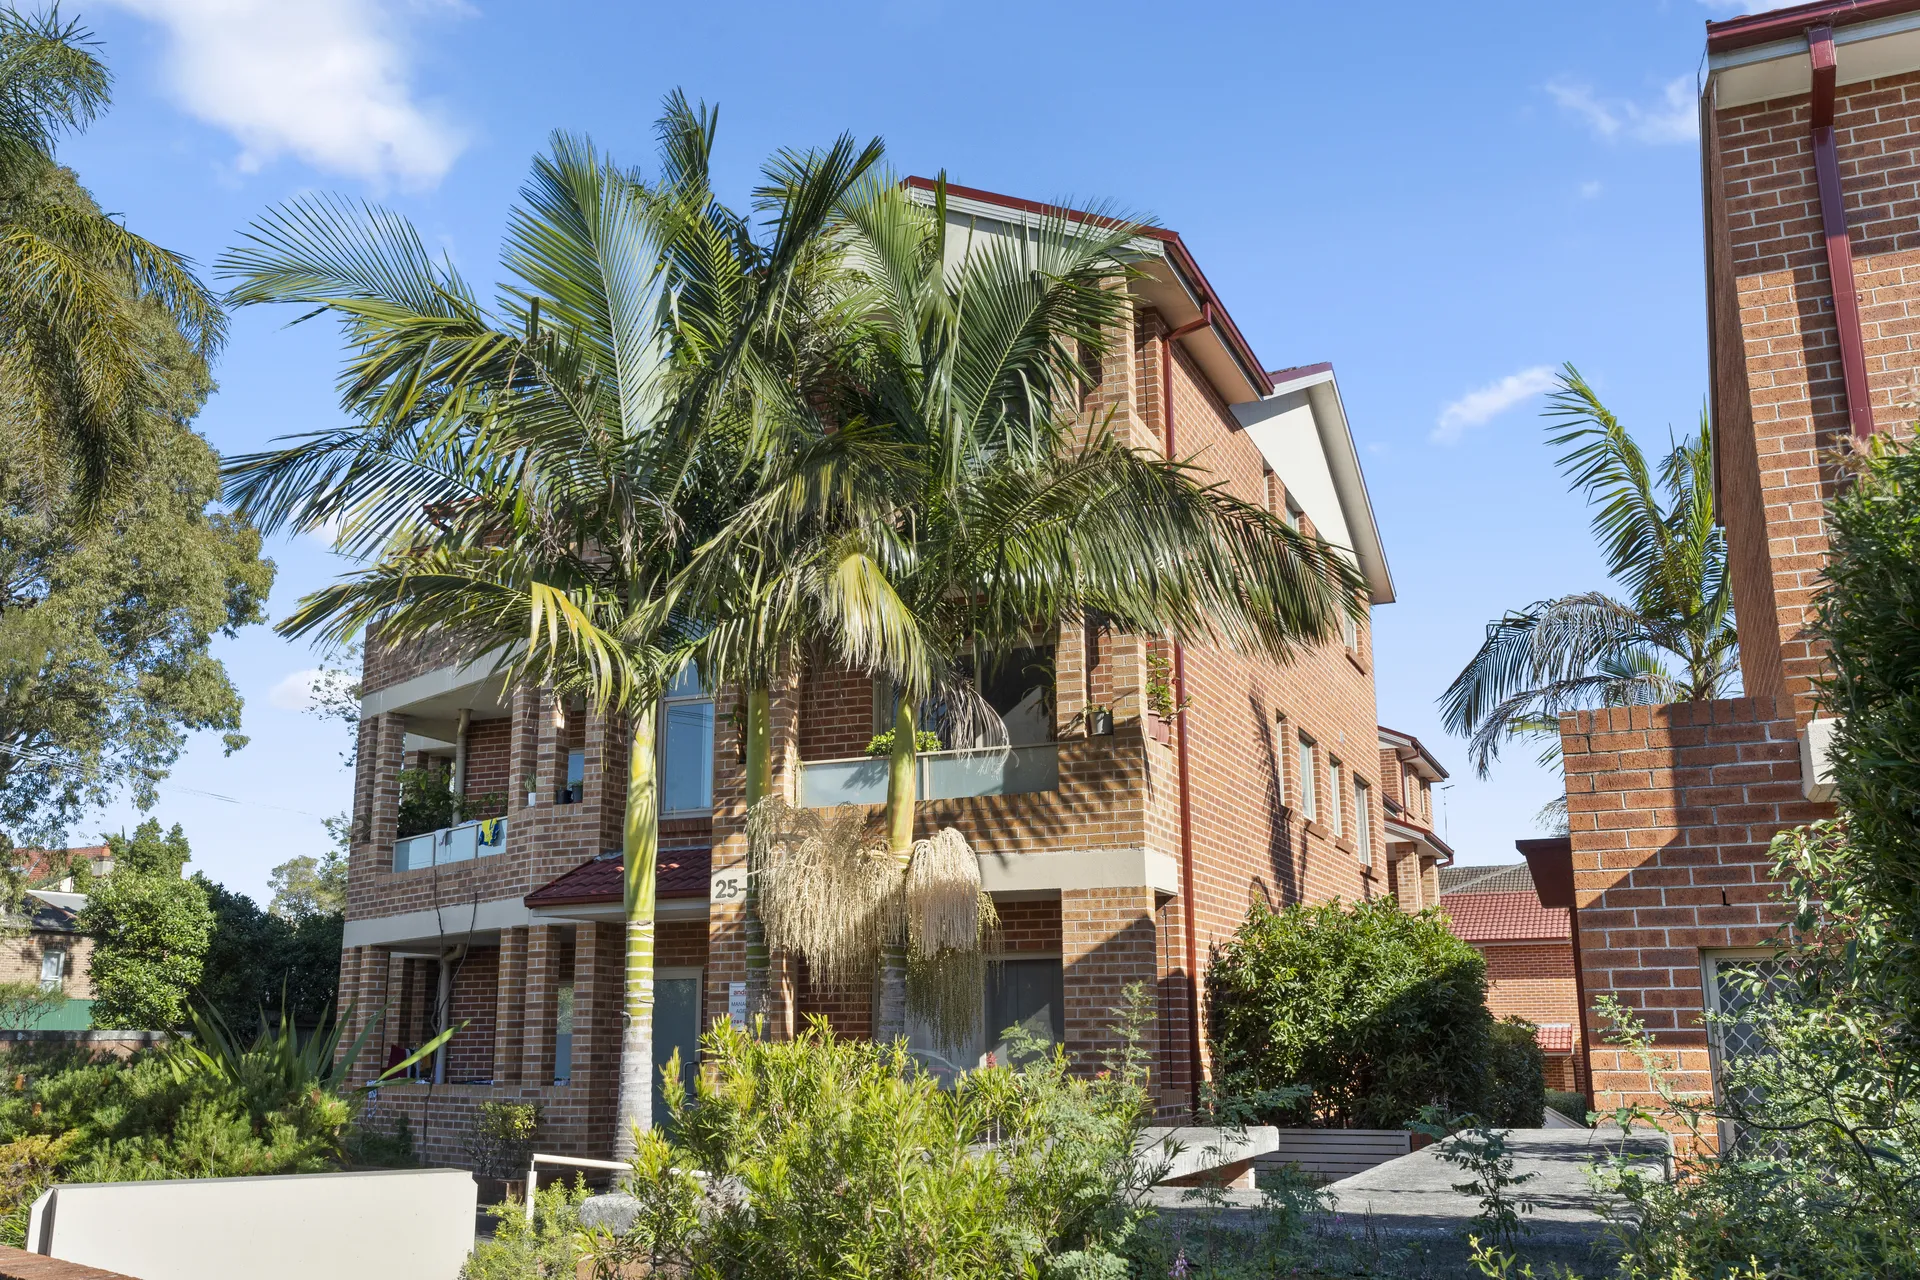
(532, 477)
(965, 518)
(77, 393)
(1670, 639)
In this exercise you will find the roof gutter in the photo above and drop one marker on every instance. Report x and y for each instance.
(1833, 224)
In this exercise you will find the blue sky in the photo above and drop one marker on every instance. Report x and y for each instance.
(1446, 200)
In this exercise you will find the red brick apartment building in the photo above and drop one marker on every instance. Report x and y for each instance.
(1810, 123)
(1114, 859)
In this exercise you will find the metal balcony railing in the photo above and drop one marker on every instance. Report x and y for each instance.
(943, 775)
(481, 838)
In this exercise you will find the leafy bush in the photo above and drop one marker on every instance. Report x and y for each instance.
(832, 1158)
(1869, 616)
(256, 961)
(1517, 1077)
(881, 744)
(1571, 1105)
(151, 930)
(501, 1143)
(1379, 1012)
(549, 1249)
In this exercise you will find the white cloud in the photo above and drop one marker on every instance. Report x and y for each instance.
(305, 690)
(297, 691)
(1589, 190)
(326, 81)
(1674, 118)
(1489, 402)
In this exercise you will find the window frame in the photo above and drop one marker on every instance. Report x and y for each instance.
(1335, 792)
(1362, 822)
(60, 956)
(1309, 779)
(1281, 772)
(669, 700)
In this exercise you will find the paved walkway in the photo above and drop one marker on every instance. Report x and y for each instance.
(1413, 1196)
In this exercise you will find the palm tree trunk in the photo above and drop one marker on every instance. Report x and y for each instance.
(640, 850)
(890, 1018)
(759, 783)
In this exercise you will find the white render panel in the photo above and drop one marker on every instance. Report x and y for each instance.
(1079, 869)
(400, 1224)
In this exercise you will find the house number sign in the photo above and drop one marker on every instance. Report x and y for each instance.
(728, 886)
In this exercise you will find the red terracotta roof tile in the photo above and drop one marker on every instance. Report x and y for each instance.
(684, 872)
(1554, 1039)
(1505, 917)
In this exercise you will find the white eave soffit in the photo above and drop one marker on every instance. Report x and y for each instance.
(1780, 69)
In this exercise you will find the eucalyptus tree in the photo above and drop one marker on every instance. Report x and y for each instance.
(1670, 639)
(530, 478)
(959, 510)
(78, 386)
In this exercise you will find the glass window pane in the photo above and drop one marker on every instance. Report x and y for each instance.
(676, 1025)
(563, 1034)
(686, 757)
(687, 684)
(1027, 994)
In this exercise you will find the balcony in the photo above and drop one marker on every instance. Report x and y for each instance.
(482, 838)
(943, 775)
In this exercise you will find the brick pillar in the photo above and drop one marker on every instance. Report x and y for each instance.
(614, 741)
(345, 1002)
(598, 988)
(371, 969)
(538, 1013)
(1107, 941)
(726, 922)
(530, 753)
(509, 1010)
(376, 811)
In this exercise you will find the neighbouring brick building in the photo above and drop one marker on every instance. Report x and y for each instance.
(1811, 166)
(1528, 947)
(1113, 859)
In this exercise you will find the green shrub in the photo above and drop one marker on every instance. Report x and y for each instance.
(1379, 1012)
(1869, 615)
(841, 1158)
(501, 1143)
(1571, 1105)
(1517, 1077)
(549, 1249)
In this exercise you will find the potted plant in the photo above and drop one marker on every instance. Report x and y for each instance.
(881, 744)
(1160, 700)
(1099, 718)
(533, 794)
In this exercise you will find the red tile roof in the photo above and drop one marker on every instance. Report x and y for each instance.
(684, 872)
(1557, 1038)
(1505, 917)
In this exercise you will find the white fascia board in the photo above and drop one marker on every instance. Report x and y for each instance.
(454, 923)
(432, 684)
(1134, 868)
(1779, 68)
(616, 913)
(1303, 432)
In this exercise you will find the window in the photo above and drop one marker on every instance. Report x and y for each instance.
(1309, 785)
(53, 968)
(1025, 992)
(1731, 995)
(686, 746)
(1280, 760)
(1336, 819)
(1349, 632)
(563, 1033)
(1293, 514)
(1362, 823)
(576, 789)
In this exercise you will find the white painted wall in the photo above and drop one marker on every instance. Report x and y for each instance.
(1283, 428)
(402, 1224)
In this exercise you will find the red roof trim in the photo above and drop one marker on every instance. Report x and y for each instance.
(1278, 376)
(683, 873)
(1783, 24)
(1177, 253)
(1506, 917)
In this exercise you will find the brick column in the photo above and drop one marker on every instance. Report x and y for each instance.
(1107, 941)
(376, 811)
(530, 754)
(371, 977)
(538, 1011)
(509, 1010)
(345, 1004)
(598, 989)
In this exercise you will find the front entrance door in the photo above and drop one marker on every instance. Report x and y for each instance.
(676, 1025)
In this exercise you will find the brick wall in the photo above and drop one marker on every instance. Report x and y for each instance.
(1535, 981)
(488, 745)
(21, 955)
(1779, 388)
(1670, 812)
